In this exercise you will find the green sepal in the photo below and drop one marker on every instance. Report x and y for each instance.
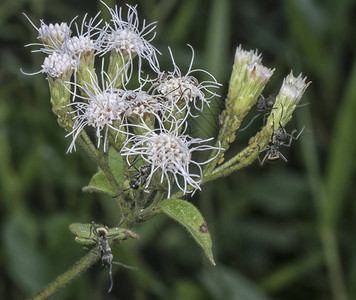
(84, 233)
(189, 216)
(99, 182)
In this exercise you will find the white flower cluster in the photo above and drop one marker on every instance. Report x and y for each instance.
(64, 51)
(148, 121)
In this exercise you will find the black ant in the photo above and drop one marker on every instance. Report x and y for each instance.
(102, 238)
(140, 178)
(263, 105)
(278, 139)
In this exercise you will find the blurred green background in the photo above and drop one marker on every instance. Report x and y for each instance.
(284, 231)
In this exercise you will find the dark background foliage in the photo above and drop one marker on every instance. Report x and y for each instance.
(284, 231)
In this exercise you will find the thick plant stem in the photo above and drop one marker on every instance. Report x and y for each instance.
(87, 145)
(92, 152)
(221, 137)
(61, 281)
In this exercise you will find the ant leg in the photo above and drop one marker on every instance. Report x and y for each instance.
(125, 266)
(264, 159)
(264, 118)
(133, 165)
(258, 156)
(94, 240)
(134, 161)
(297, 137)
(92, 229)
(294, 138)
(282, 156)
(111, 281)
(304, 104)
(291, 138)
(256, 116)
(273, 134)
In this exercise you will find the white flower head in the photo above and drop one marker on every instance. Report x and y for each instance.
(85, 40)
(140, 102)
(102, 108)
(52, 36)
(58, 64)
(186, 89)
(293, 88)
(169, 152)
(129, 40)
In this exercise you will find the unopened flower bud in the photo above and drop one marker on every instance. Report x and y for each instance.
(289, 96)
(248, 79)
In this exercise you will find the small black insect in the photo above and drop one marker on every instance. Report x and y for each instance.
(263, 105)
(102, 237)
(278, 139)
(140, 178)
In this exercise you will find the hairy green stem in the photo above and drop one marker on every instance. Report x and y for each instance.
(243, 159)
(87, 145)
(221, 137)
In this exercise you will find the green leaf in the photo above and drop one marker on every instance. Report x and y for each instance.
(99, 182)
(189, 216)
(117, 165)
(85, 235)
